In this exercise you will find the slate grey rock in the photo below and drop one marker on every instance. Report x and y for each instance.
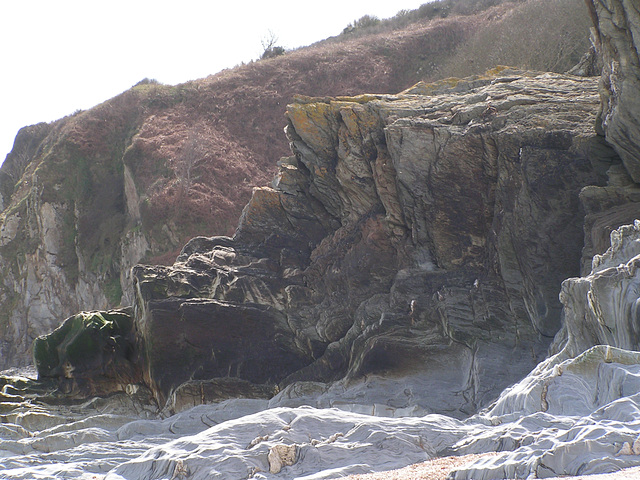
(410, 234)
(618, 27)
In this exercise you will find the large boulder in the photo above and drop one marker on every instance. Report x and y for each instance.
(418, 238)
(90, 353)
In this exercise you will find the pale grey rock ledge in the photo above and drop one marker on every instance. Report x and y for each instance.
(577, 416)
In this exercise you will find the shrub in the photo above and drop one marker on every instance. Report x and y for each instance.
(147, 81)
(366, 21)
(272, 52)
(550, 35)
(270, 49)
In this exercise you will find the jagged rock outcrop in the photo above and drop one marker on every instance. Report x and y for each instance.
(86, 198)
(420, 236)
(394, 274)
(617, 203)
(618, 27)
(601, 307)
(594, 373)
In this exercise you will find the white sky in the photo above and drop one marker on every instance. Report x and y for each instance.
(58, 56)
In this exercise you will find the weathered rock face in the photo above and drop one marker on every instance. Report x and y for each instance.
(84, 199)
(381, 256)
(578, 403)
(618, 26)
(615, 204)
(132, 180)
(601, 307)
(420, 236)
(63, 215)
(89, 196)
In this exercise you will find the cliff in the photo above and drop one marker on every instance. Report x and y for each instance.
(89, 196)
(460, 256)
(416, 239)
(404, 263)
(132, 180)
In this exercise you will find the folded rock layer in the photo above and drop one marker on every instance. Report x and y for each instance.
(422, 235)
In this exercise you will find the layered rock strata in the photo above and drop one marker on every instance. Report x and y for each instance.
(85, 198)
(618, 26)
(394, 251)
(420, 236)
(617, 39)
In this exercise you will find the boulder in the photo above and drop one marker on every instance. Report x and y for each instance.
(199, 339)
(91, 353)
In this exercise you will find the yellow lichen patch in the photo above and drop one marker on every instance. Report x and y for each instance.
(264, 202)
(305, 99)
(424, 88)
(365, 98)
(312, 122)
(362, 98)
(497, 70)
(359, 119)
(319, 171)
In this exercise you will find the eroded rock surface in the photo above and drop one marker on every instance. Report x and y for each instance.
(576, 412)
(569, 417)
(420, 236)
(618, 27)
(601, 308)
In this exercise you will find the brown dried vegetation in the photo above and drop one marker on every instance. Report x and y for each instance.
(196, 150)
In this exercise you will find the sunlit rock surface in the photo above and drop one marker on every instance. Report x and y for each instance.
(618, 28)
(578, 416)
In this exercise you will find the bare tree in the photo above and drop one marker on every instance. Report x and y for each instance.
(269, 47)
(191, 155)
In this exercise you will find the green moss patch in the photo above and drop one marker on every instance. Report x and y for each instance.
(85, 344)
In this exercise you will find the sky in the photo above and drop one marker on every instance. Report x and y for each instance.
(60, 56)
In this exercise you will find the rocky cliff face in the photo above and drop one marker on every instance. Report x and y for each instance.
(600, 306)
(63, 220)
(339, 276)
(618, 27)
(407, 255)
(615, 204)
(86, 198)
(421, 236)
